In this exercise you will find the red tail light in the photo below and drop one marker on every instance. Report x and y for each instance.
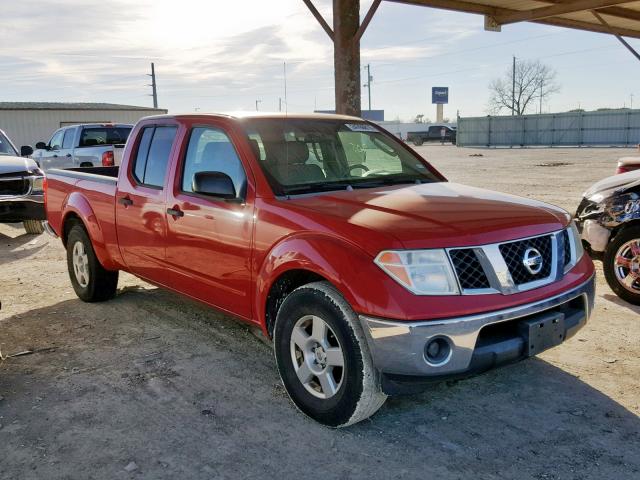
(108, 159)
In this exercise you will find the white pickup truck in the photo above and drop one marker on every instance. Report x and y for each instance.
(90, 145)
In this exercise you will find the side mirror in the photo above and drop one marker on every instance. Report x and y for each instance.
(26, 150)
(41, 146)
(214, 184)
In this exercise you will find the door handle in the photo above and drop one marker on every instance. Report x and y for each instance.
(175, 212)
(126, 201)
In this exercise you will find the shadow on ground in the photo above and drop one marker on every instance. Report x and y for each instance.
(16, 248)
(182, 391)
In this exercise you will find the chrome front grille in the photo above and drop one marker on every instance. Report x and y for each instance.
(502, 267)
(514, 252)
(468, 268)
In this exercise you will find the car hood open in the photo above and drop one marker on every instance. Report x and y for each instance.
(435, 215)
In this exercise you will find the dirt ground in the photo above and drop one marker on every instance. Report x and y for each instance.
(150, 385)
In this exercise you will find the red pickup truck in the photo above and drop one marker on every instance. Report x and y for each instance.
(370, 272)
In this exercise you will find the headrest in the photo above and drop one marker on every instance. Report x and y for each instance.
(218, 151)
(291, 153)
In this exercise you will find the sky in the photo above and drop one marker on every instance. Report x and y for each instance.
(221, 55)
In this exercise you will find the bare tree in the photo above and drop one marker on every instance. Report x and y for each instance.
(534, 83)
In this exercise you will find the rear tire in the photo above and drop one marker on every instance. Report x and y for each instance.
(418, 142)
(33, 227)
(626, 244)
(91, 282)
(318, 338)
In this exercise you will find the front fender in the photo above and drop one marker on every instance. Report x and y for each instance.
(77, 205)
(344, 265)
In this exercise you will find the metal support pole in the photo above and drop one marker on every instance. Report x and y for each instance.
(618, 36)
(346, 56)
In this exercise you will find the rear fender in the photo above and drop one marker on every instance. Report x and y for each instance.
(76, 205)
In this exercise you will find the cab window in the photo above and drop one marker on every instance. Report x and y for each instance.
(211, 150)
(152, 158)
(56, 141)
(69, 134)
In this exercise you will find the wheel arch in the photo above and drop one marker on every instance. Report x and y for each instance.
(77, 209)
(307, 258)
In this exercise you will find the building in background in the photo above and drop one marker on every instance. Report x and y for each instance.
(371, 115)
(29, 122)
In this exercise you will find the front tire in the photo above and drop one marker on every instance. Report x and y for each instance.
(621, 265)
(33, 227)
(91, 282)
(323, 357)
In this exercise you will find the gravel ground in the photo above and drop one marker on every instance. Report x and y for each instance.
(150, 385)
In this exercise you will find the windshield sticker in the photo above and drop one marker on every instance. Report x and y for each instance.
(360, 127)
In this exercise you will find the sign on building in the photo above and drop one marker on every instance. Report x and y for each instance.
(440, 95)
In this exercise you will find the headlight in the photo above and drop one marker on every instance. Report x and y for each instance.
(423, 272)
(37, 185)
(576, 246)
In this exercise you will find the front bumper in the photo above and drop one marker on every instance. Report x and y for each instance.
(476, 343)
(24, 207)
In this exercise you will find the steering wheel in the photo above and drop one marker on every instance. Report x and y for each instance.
(360, 166)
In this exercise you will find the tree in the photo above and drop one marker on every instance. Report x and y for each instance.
(534, 83)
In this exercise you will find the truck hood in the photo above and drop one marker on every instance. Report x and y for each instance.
(10, 164)
(436, 215)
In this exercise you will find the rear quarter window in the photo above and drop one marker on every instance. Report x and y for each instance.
(152, 157)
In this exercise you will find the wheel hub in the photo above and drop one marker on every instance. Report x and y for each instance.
(320, 356)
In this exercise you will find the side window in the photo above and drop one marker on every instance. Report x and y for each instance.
(211, 150)
(56, 141)
(150, 167)
(69, 135)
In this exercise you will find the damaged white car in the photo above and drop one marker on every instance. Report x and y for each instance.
(609, 221)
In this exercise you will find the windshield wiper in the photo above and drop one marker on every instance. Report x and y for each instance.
(383, 181)
(316, 187)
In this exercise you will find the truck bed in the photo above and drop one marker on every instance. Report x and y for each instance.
(97, 187)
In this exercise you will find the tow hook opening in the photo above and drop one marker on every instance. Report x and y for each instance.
(437, 351)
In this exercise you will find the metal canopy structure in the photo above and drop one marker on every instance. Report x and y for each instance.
(614, 17)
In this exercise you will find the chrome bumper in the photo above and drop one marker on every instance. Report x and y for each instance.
(399, 347)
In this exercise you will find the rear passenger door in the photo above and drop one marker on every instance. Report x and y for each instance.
(140, 202)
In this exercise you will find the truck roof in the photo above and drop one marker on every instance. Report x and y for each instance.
(274, 115)
(104, 124)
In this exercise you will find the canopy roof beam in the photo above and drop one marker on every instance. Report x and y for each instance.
(553, 10)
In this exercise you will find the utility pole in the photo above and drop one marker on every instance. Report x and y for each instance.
(257, 102)
(368, 84)
(513, 89)
(280, 104)
(154, 91)
(541, 85)
(631, 103)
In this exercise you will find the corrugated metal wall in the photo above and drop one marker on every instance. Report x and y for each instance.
(26, 127)
(611, 127)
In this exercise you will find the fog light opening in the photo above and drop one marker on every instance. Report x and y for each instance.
(437, 351)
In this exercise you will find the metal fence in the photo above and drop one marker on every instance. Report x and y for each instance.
(610, 127)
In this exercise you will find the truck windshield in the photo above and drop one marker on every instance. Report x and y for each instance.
(94, 136)
(5, 147)
(314, 155)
